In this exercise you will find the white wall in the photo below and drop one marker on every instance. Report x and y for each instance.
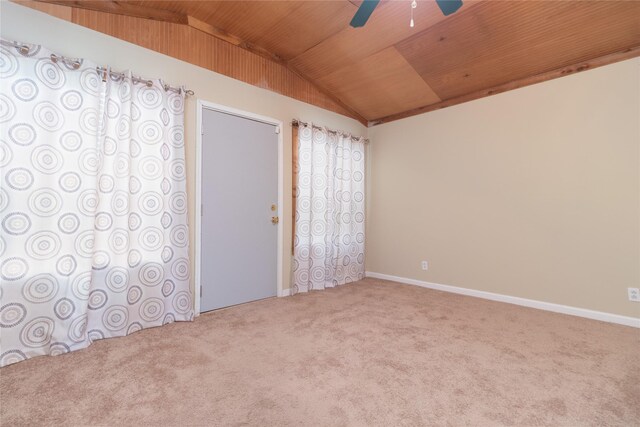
(533, 193)
(27, 25)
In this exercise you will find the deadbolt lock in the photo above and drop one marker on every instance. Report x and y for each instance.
(275, 219)
(273, 208)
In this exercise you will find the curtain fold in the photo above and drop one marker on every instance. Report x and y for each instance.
(330, 231)
(93, 206)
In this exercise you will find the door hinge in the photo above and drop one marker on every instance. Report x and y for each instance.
(201, 210)
(201, 291)
(277, 129)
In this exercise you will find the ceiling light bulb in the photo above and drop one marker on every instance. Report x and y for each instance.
(414, 4)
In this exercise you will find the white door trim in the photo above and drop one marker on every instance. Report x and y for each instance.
(201, 105)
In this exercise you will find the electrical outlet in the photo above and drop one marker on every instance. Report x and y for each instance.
(634, 294)
(424, 265)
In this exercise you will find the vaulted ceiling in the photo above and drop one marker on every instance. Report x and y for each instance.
(387, 70)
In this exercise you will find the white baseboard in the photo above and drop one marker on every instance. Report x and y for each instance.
(541, 305)
(284, 293)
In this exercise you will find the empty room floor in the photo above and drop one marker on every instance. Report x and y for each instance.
(370, 353)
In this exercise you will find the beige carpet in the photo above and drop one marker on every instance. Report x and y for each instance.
(370, 353)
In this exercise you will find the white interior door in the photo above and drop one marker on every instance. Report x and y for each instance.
(239, 195)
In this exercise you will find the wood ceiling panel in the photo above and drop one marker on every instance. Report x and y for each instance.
(306, 26)
(379, 85)
(498, 42)
(247, 20)
(385, 68)
(286, 28)
(388, 25)
(194, 46)
(200, 9)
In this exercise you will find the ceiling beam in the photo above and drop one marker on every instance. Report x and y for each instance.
(230, 38)
(621, 55)
(123, 8)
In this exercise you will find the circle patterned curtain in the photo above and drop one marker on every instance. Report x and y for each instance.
(329, 239)
(93, 206)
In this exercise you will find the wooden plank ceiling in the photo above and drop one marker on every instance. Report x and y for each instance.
(387, 70)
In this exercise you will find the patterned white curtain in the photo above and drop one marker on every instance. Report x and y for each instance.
(329, 229)
(93, 206)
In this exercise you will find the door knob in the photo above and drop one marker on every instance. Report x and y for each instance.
(275, 219)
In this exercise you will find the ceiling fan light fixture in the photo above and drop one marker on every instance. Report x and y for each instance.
(414, 4)
(367, 6)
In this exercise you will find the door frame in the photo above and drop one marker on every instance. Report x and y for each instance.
(201, 106)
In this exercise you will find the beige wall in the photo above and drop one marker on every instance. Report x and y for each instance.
(533, 193)
(27, 25)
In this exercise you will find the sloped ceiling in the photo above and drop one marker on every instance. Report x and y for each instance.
(387, 70)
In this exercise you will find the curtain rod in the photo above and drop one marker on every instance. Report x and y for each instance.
(103, 72)
(296, 123)
(24, 49)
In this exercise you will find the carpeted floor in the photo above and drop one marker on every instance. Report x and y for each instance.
(370, 353)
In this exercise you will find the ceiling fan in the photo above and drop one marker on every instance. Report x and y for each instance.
(367, 6)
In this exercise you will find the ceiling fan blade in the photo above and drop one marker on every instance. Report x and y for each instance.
(363, 13)
(449, 6)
